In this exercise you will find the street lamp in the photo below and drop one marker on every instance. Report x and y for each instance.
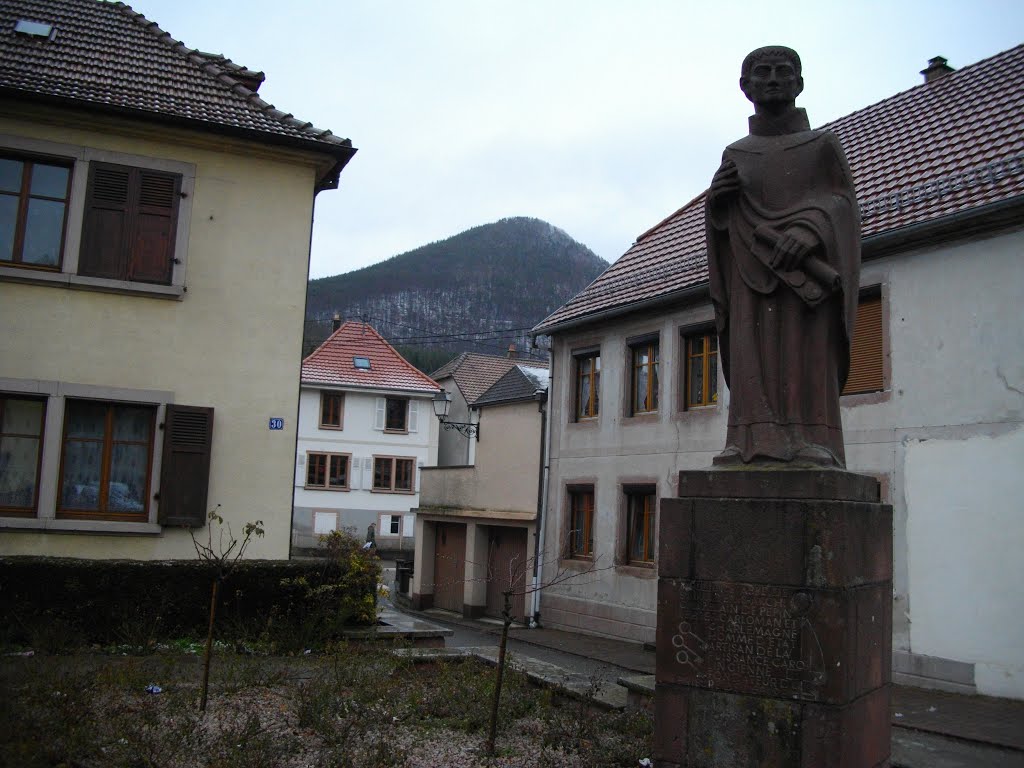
(442, 402)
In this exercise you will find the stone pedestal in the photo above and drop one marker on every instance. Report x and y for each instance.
(774, 641)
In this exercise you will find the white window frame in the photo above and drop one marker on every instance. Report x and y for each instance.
(82, 157)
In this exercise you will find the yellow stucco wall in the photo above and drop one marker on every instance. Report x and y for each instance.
(233, 342)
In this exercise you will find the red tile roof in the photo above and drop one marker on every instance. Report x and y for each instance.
(474, 374)
(106, 57)
(332, 363)
(940, 148)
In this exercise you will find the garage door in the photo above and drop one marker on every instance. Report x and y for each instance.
(449, 565)
(506, 568)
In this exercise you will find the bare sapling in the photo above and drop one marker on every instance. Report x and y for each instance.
(222, 556)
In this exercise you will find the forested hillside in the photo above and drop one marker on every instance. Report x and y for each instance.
(477, 291)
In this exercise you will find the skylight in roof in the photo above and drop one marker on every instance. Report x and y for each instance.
(35, 29)
(361, 362)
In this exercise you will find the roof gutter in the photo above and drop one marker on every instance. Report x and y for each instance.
(960, 225)
(684, 294)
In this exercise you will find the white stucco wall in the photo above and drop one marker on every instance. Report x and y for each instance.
(966, 502)
(232, 342)
(361, 505)
(954, 348)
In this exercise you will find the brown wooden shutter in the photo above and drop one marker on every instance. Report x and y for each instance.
(152, 252)
(866, 360)
(105, 224)
(131, 216)
(185, 474)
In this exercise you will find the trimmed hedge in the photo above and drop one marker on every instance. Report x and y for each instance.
(63, 603)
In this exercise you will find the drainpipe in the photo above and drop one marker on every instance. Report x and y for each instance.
(295, 446)
(545, 445)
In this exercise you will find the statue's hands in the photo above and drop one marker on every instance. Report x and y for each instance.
(792, 246)
(725, 182)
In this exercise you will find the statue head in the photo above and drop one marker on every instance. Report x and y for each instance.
(771, 78)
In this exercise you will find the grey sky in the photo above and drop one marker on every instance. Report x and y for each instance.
(601, 118)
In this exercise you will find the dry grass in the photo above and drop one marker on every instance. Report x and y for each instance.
(355, 706)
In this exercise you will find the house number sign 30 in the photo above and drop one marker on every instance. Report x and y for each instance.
(276, 423)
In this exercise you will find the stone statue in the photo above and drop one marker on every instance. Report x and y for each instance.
(783, 234)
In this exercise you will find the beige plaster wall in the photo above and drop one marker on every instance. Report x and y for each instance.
(506, 472)
(233, 342)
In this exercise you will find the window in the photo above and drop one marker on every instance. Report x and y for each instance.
(327, 471)
(21, 440)
(395, 525)
(701, 369)
(581, 522)
(644, 376)
(391, 473)
(128, 231)
(79, 217)
(588, 385)
(105, 460)
(332, 409)
(362, 363)
(33, 211)
(640, 521)
(867, 370)
(324, 523)
(396, 409)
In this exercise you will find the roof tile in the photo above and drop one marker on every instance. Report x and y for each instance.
(105, 55)
(332, 363)
(474, 374)
(943, 147)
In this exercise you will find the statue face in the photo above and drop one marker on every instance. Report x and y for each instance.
(773, 82)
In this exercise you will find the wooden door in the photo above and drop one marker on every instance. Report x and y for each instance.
(506, 566)
(449, 565)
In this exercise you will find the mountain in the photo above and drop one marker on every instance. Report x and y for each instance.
(478, 291)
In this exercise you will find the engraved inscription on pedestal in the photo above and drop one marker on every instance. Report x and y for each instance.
(749, 638)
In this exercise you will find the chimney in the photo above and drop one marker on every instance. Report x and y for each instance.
(512, 354)
(936, 68)
(336, 323)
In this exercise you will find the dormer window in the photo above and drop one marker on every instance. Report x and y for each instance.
(35, 29)
(363, 363)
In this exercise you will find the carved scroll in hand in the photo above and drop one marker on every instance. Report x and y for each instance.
(813, 282)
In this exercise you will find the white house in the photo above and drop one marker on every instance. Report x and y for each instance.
(934, 407)
(366, 429)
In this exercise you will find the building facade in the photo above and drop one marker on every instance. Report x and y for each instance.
(476, 525)
(152, 291)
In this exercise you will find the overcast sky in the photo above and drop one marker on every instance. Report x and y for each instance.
(599, 117)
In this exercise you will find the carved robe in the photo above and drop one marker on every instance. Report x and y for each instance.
(785, 356)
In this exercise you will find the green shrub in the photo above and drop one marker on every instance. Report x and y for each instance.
(54, 604)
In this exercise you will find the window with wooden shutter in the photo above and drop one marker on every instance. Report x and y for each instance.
(185, 475)
(867, 369)
(131, 215)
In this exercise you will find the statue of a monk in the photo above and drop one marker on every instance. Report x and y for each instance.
(783, 234)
